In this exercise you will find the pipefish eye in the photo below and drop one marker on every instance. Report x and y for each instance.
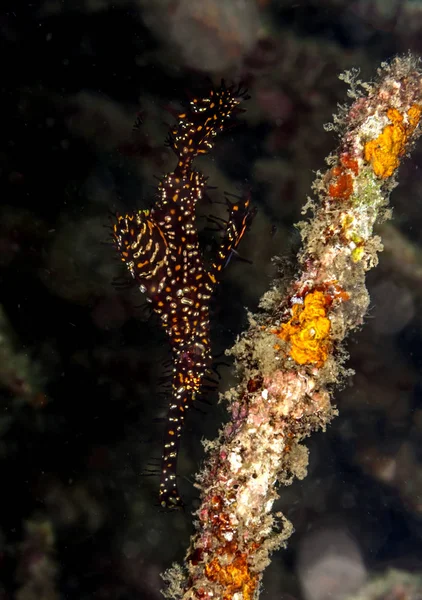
(141, 243)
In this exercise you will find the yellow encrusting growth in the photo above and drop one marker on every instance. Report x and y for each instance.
(384, 152)
(308, 330)
(235, 577)
(414, 116)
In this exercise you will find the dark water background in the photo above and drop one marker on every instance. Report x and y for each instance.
(81, 362)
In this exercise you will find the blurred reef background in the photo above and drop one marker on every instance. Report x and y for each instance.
(81, 360)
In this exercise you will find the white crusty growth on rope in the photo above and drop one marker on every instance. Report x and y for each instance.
(292, 355)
